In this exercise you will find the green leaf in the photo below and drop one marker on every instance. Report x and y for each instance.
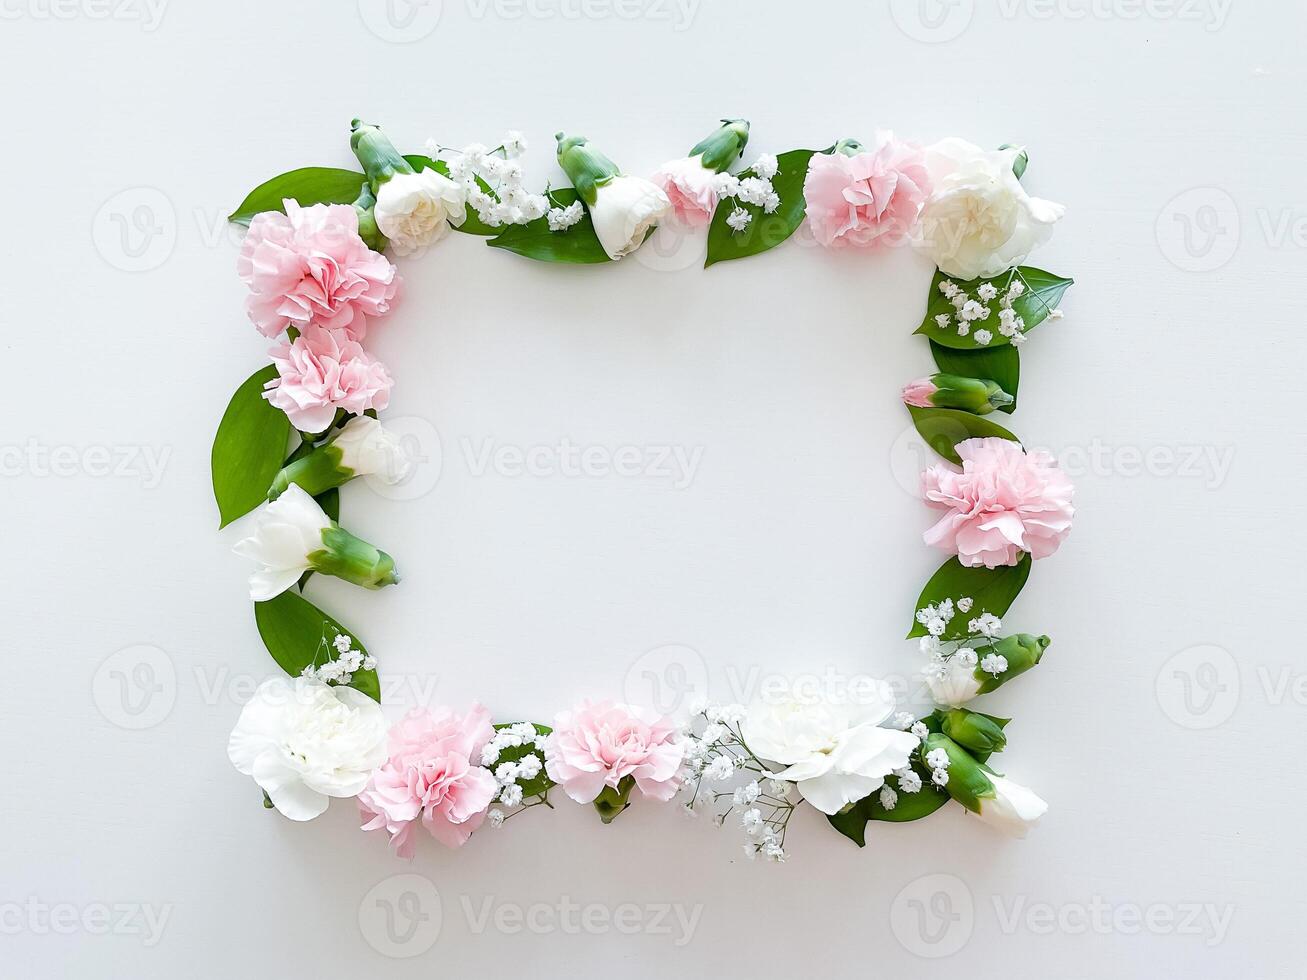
(472, 224)
(577, 245)
(944, 428)
(532, 787)
(993, 589)
(293, 629)
(308, 186)
(248, 448)
(1043, 292)
(765, 230)
(1001, 364)
(852, 823)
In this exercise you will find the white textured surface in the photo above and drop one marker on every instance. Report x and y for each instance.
(794, 547)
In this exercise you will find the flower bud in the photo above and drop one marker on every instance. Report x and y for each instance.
(364, 206)
(723, 146)
(975, 395)
(624, 209)
(585, 166)
(979, 733)
(362, 447)
(1011, 808)
(1020, 651)
(967, 782)
(849, 147)
(1020, 159)
(294, 535)
(380, 159)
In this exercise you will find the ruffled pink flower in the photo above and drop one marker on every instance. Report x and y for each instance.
(872, 197)
(917, 393)
(691, 187)
(1005, 501)
(309, 265)
(430, 777)
(324, 370)
(599, 745)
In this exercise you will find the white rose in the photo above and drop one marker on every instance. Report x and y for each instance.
(979, 221)
(625, 209)
(304, 741)
(415, 210)
(1013, 809)
(288, 530)
(368, 449)
(955, 685)
(836, 754)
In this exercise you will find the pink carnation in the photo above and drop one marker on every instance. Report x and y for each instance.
(863, 199)
(430, 776)
(324, 370)
(601, 744)
(691, 187)
(309, 265)
(1005, 501)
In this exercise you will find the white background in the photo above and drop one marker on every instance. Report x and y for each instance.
(1159, 726)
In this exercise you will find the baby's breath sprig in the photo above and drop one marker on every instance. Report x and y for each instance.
(719, 754)
(970, 311)
(338, 669)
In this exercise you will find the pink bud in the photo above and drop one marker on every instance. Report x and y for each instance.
(917, 393)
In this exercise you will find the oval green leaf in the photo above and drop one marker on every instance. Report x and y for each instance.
(765, 231)
(293, 629)
(944, 428)
(307, 186)
(910, 806)
(992, 589)
(1043, 292)
(578, 245)
(248, 449)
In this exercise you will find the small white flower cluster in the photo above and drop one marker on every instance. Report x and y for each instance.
(560, 219)
(511, 203)
(982, 630)
(340, 669)
(937, 761)
(512, 775)
(907, 778)
(756, 190)
(718, 754)
(969, 311)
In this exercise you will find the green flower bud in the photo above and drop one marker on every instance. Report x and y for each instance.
(586, 167)
(724, 145)
(380, 159)
(967, 780)
(976, 395)
(362, 447)
(849, 147)
(979, 733)
(1021, 651)
(353, 559)
(611, 801)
